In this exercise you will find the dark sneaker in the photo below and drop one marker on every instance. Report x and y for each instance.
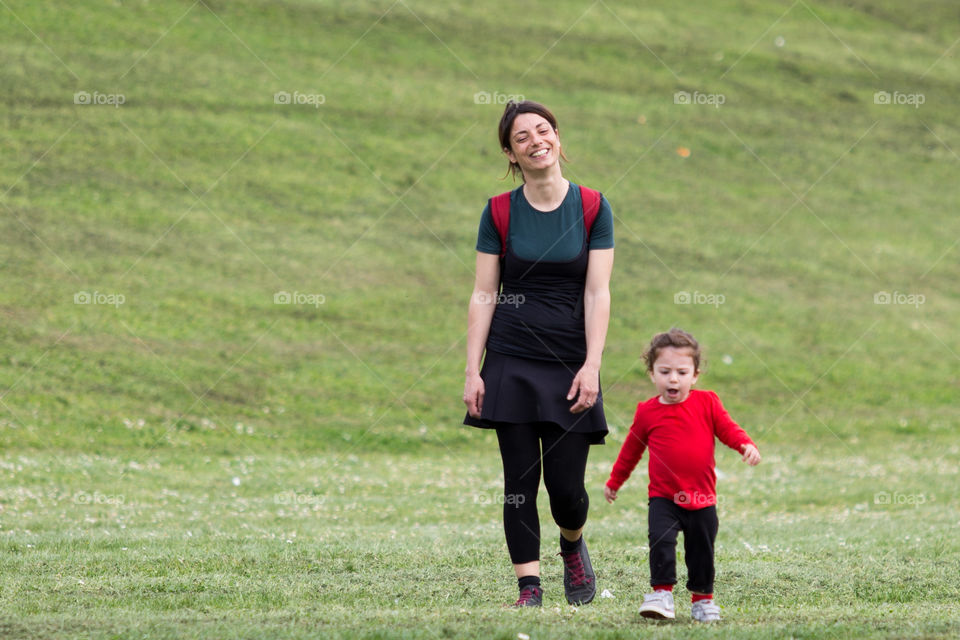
(579, 581)
(529, 597)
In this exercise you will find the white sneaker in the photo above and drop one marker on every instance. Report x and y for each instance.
(658, 605)
(705, 611)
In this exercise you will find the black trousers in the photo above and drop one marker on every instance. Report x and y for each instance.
(699, 529)
(563, 459)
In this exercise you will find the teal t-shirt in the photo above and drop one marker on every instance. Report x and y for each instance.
(553, 236)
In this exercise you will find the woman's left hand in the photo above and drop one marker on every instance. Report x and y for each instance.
(587, 384)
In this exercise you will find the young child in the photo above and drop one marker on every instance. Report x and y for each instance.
(678, 426)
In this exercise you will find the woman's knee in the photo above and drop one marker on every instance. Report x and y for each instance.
(569, 506)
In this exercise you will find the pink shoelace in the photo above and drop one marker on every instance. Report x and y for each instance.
(574, 564)
(527, 594)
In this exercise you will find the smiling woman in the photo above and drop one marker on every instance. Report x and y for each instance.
(538, 117)
(547, 246)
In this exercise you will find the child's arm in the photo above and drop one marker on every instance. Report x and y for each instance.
(630, 454)
(731, 434)
(750, 454)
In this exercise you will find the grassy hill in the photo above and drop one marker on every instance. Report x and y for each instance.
(213, 422)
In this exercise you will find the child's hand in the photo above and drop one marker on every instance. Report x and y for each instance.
(750, 454)
(609, 494)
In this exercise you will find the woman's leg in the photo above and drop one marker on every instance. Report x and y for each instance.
(564, 464)
(520, 453)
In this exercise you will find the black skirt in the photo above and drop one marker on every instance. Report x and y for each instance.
(526, 391)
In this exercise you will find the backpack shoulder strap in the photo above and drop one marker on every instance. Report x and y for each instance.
(500, 210)
(591, 207)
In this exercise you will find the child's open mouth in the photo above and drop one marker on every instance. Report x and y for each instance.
(673, 393)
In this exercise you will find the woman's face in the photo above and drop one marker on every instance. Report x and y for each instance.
(534, 144)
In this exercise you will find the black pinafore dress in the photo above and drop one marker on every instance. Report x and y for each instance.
(536, 345)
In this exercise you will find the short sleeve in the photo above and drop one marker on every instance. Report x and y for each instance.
(488, 239)
(601, 235)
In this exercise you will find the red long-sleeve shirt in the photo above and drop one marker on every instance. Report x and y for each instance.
(680, 438)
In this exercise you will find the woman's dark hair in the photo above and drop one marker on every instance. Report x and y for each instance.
(676, 338)
(510, 113)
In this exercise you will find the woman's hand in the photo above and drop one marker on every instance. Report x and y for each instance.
(587, 384)
(473, 390)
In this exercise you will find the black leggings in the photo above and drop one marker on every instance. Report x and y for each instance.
(564, 461)
(699, 529)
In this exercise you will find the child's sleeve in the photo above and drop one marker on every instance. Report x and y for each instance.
(630, 453)
(728, 431)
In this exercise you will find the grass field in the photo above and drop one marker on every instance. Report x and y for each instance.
(184, 455)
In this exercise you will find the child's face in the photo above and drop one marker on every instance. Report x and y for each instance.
(674, 374)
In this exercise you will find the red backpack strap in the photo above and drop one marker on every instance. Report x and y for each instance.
(500, 210)
(591, 207)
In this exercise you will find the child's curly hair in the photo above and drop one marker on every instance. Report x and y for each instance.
(676, 338)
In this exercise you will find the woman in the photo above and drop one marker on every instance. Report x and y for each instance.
(540, 308)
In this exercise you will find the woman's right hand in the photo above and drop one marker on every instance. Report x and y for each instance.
(473, 390)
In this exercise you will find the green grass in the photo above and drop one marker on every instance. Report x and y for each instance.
(363, 509)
